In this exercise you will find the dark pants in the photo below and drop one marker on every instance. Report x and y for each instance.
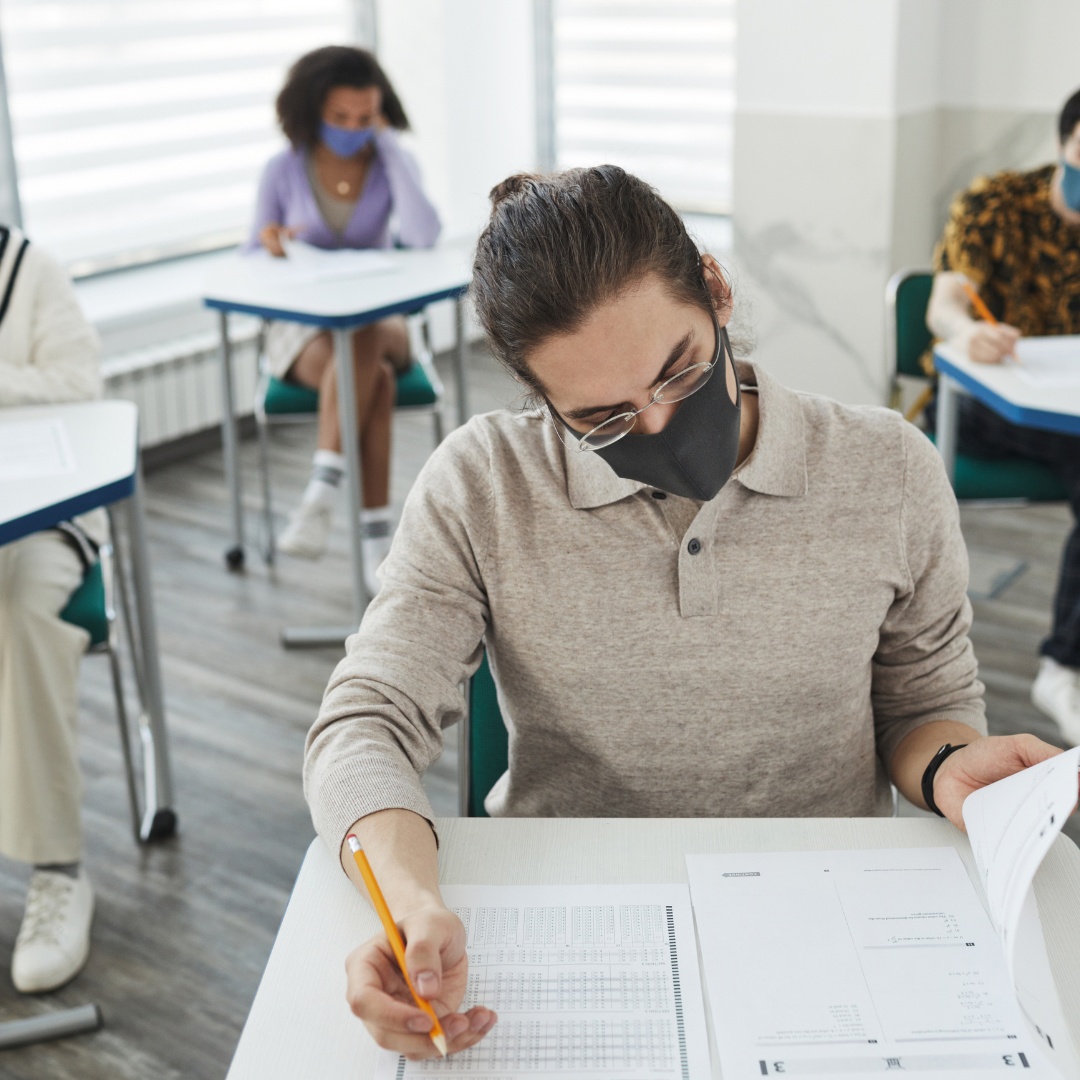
(983, 433)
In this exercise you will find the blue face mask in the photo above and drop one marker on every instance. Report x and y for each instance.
(345, 142)
(1070, 185)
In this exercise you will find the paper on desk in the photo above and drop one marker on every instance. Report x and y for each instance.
(588, 981)
(35, 450)
(849, 964)
(306, 263)
(1012, 825)
(1049, 362)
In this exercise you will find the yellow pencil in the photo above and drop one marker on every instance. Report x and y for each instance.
(986, 314)
(437, 1035)
(978, 304)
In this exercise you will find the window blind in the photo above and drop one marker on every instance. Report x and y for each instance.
(140, 127)
(649, 86)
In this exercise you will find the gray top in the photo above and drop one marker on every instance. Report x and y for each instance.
(824, 617)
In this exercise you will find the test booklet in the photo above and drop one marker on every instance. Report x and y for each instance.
(854, 964)
(587, 981)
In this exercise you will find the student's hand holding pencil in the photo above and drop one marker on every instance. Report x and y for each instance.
(988, 341)
(438, 966)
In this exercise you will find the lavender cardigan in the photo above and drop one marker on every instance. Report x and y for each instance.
(392, 195)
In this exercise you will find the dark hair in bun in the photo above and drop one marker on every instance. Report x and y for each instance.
(557, 246)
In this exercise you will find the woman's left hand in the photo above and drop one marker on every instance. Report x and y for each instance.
(982, 762)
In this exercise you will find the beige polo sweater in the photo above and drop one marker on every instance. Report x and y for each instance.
(771, 673)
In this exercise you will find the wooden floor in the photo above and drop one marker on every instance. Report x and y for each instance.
(183, 929)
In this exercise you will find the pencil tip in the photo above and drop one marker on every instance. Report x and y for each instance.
(440, 1043)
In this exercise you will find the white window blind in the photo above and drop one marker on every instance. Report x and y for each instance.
(140, 127)
(649, 86)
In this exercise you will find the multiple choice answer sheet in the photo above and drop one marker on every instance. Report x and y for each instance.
(1052, 362)
(35, 450)
(597, 981)
(857, 963)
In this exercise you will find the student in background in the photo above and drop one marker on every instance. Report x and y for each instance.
(48, 353)
(702, 594)
(345, 182)
(1016, 238)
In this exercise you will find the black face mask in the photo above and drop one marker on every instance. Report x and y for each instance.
(695, 454)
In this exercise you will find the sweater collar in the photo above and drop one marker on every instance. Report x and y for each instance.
(776, 465)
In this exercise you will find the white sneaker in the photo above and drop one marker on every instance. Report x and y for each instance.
(308, 531)
(54, 939)
(1056, 692)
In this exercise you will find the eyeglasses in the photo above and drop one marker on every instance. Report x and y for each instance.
(677, 388)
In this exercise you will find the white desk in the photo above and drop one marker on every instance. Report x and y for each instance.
(300, 1025)
(1002, 389)
(262, 287)
(104, 439)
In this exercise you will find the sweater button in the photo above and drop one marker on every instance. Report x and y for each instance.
(659, 494)
(694, 546)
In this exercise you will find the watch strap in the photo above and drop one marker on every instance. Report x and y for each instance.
(930, 773)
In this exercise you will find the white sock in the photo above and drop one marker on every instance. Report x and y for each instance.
(376, 532)
(327, 469)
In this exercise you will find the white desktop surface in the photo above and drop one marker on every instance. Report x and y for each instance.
(103, 438)
(300, 1025)
(1003, 381)
(257, 284)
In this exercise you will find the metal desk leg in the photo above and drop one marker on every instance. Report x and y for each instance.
(57, 1025)
(947, 401)
(460, 375)
(159, 819)
(234, 557)
(293, 637)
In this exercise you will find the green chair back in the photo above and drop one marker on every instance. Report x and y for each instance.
(86, 606)
(488, 741)
(912, 335)
(412, 388)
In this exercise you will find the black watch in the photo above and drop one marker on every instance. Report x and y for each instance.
(931, 772)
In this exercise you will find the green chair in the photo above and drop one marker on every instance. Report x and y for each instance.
(418, 390)
(91, 608)
(485, 754)
(976, 479)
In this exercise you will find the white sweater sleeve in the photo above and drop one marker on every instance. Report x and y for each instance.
(61, 351)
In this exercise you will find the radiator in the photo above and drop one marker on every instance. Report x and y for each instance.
(177, 386)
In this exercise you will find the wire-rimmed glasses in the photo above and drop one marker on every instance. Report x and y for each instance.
(677, 388)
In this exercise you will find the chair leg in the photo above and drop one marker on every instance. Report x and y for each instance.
(269, 548)
(145, 828)
(112, 648)
(125, 744)
(437, 422)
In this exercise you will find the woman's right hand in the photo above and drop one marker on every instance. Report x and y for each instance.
(270, 236)
(438, 966)
(987, 343)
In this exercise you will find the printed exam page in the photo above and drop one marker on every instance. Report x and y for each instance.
(853, 964)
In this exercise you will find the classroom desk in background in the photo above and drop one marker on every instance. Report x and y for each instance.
(263, 287)
(300, 1025)
(101, 439)
(1004, 389)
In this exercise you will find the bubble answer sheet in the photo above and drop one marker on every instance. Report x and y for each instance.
(588, 981)
(851, 964)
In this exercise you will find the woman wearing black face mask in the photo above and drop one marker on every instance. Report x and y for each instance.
(701, 593)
